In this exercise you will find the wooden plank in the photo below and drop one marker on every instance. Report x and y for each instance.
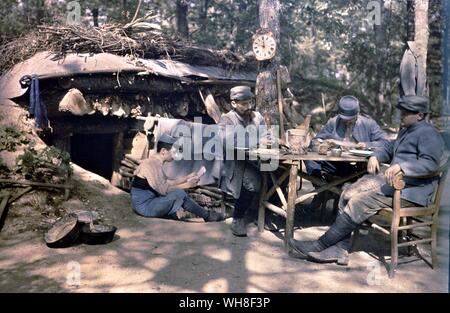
(3, 209)
(129, 157)
(327, 187)
(314, 156)
(292, 195)
(20, 194)
(129, 164)
(30, 183)
(279, 182)
(279, 191)
(280, 105)
(319, 182)
(125, 173)
(415, 225)
(414, 242)
(275, 209)
(262, 208)
(209, 193)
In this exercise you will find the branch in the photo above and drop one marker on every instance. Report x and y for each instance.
(137, 11)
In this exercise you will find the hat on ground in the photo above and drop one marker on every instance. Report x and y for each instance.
(414, 104)
(167, 139)
(348, 107)
(241, 93)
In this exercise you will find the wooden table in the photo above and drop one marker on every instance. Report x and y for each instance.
(293, 169)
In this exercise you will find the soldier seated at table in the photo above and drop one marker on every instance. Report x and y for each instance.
(154, 195)
(351, 129)
(417, 151)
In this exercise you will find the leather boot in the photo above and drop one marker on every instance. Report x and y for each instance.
(214, 217)
(238, 227)
(301, 248)
(341, 229)
(330, 255)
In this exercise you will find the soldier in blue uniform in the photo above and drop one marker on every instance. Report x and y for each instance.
(240, 178)
(352, 128)
(417, 151)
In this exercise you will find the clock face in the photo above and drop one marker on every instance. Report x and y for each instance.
(264, 47)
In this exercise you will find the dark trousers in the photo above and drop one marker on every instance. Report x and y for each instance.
(251, 185)
(315, 168)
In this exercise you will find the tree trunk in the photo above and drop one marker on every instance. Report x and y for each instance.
(380, 43)
(410, 15)
(434, 72)
(40, 11)
(95, 16)
(421, 29)
(446, 80)
(266, 95)
(182, 21)
(204, 17)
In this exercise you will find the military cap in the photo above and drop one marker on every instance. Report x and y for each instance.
(241, 93)
(348, 107)
(414, 103)
(167, 139)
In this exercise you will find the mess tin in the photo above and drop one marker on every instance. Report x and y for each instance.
(336, 152)
(296, 139)
(323, 148)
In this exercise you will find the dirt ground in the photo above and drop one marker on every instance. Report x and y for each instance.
(156, 255)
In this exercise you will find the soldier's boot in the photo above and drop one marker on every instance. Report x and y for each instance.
(238, 227)
(337, 253)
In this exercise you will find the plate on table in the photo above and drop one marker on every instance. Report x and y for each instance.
(261, 151)
(362, 153)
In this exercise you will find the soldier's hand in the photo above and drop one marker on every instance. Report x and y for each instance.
(391, 172)
(373, 166)
(190, 176)
(361, 145)
(193, 182)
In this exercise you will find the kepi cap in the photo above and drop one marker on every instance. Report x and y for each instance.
(241, 93)
(414, 104)
(348, 107)
(167, 139)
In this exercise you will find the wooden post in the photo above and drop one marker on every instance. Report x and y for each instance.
(262, 208)
(292, 195)
(280, 105)
(3, 209)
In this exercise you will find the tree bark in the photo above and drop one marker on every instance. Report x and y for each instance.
(446, 80)
(434, 61)
(410, 16)
(204, 16)
(421, 29)
(266, 95)
(380, 43)
(182, 21)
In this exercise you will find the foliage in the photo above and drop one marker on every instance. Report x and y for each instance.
(10, 138)
(321, 40)
(4, 169)
(47, 165)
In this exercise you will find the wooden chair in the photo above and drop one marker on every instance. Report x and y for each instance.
(407, 219)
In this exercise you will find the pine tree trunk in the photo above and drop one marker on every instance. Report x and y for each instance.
(410, 16)
(434, 71)
(266, 91)
(446, 80)
(182, 21)
(421, 28)
(380, 43)
(204, 16)
(95, 16)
